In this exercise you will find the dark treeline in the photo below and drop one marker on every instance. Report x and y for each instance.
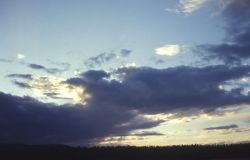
(184, 152)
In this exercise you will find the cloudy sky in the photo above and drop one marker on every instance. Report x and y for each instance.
(116, 72)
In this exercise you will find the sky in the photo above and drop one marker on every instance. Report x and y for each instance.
(114, 72)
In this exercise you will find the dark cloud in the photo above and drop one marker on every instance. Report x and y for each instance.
(148, 134)
(125, 52)
(99, 59)
(26, 120)
(237, 45)
(23, 76)
(179, 89)
(116, 106)
(22, 84)
(232, 126)
(93, 75)
(43, 68)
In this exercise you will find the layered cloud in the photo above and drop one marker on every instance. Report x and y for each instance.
(232, 126)
(179, 89)
(20, 84)
(24, 84)
(127, 95)
(46, 69)
(22, 76)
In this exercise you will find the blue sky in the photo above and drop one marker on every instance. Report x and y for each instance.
(72, 32)
(87, 28)
(52, 51)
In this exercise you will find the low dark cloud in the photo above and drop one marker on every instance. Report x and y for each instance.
(43, 68)
(26, 120)
(148, 134)
(237, 43)
(117, 106)
(180, 89)
(125, 52)
(232, 126)
(99, 59)
(22, 76)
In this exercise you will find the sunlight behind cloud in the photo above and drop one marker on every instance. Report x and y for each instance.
(55, 89)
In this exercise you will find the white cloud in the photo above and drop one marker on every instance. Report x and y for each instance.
(20, 56)
(188, 6)
(169, 50)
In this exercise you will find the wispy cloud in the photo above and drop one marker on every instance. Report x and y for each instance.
(23, 76)
(99, 59)
(105, 57)
(188, 6)
(147, 133)
(48, 70)
(222, 127)
(21, 84)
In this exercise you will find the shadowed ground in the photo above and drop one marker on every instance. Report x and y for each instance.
(62, 152)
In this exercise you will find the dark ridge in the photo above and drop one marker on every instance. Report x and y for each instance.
(183, 152)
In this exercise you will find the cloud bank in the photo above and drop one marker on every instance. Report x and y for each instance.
(179, 89)
(26, 120)
(126, 98)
